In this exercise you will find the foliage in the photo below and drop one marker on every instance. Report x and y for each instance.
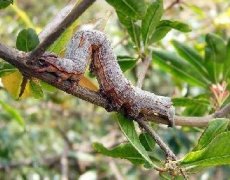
(200, 67)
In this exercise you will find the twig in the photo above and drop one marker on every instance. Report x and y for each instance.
(157, 138)
(222, 112)
(142, 69)
(64, 162)
(121, 41)
(172, 4)
(56, 29)
(18, 59)
(168, 152)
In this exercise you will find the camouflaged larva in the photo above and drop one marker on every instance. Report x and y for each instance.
(93, 45)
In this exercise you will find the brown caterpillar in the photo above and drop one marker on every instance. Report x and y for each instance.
(93, 45)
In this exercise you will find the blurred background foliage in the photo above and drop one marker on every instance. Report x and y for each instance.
(45, 138)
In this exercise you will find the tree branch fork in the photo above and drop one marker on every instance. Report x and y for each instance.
(50, 33)
(20, 60)
(24, 62)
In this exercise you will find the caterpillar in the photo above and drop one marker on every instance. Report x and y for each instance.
(92, 46)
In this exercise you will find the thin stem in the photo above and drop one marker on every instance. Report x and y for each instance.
(168, 152)
(18, 59)
(142, 69)
(157, 138)
(58, 28)
(172, 4)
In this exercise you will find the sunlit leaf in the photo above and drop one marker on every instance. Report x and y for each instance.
(87, 83)
(12, 83)
(60, 45)
(214, 128)
(197, 10)
(151, 20)
(216, 153)
(27, 40)
(24, 17)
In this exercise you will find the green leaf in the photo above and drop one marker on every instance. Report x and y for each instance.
(189, 102)
(13, 113)
(189, 54)
(178, 67)
(6, 69)
(151, 20)
(36, 89)
(147, 141)
(132, 8)
(165, 26)
(59, 46)
(27, 40)
(5, 3)
(125, 19)
(197, 10)
(215, 54)
(47, 87)
(132, 28)
(196, 110)
(128, 129)
(123, 151)
(126, 62)
(180, 26)
(135, 34)
(159, 33)
(214, 128)
(127, 151)
(227, 61)
(217, 45)
(216, 153)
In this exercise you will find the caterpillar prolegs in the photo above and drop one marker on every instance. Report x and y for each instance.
(93, 46)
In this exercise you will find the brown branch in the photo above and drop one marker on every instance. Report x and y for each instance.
(172, 4)
(58, 26)
(168, 152)
(19, 59)
(50, 34)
